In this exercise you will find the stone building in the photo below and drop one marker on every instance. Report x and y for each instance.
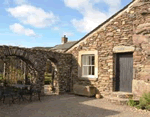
(115, 56)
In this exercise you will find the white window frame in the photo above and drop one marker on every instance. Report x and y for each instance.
(86, 62)
(95, 53)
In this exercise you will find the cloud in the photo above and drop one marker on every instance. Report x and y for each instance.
(68, 34)
(20, 2)
(92, 16)
(19, 29)
(33, 16)
(55, 28)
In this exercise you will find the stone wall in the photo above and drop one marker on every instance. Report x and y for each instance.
(37, 59)
(128, 28)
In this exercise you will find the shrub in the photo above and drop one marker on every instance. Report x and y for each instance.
(131, 103)
(144, 102)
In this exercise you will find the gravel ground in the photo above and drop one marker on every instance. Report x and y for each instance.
(69, 106)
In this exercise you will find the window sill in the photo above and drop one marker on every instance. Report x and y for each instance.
(86, 78)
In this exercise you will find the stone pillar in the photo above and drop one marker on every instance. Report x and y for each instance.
(26, 74)
(40, 82)
(4, 70)
(9, 70)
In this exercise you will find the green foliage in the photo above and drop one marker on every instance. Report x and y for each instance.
(48, 75)
(1, 76)
(132, 103)
(48, 78)
(144, 102)
(147, 107)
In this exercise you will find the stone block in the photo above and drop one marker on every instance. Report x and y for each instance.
(110, 34)
(118, 49)
(131, 12)
(139, 87)
(123, 22)
(125, 38)
(137, 58)
(147, 66)
(110, 64)
(47, 89)
(84, 90)
(105, 78)
(110, 70)
(98, 96)
(115, 22)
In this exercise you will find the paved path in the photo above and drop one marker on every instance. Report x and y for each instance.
(69, 106)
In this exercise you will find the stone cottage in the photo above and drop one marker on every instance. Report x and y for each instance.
(115, 56)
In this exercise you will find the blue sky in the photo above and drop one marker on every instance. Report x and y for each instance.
(30, 23)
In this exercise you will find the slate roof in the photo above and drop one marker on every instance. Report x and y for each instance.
(64, 46)
(42, 47)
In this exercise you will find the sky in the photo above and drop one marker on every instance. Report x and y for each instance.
(42, 23)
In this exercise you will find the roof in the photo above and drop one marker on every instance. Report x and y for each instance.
(58, 47)
(100, 25)
(42, 47)
(64, 46)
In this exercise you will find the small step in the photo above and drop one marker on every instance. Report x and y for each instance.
(123, 95)
(117, 100)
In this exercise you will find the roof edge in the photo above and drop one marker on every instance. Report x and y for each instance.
(99, 26)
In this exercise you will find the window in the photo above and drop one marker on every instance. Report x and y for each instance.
(88, 65)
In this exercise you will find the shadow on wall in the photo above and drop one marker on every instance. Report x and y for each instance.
(82, 86)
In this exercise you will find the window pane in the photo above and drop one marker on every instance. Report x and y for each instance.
(93, 70)
(93, 60)
(85, 70)
(83, 60)
(82, 70)
(90, 70)
(88, 62)
(87, 58)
